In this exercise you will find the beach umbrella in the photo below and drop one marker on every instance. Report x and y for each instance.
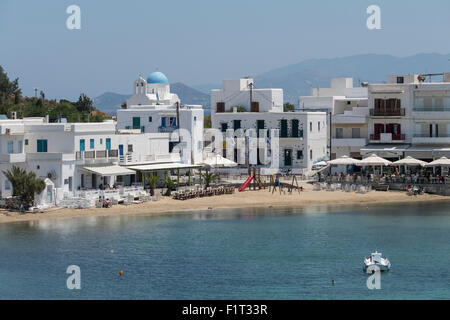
(344, 160)
(409, 161)
(373, 160)
(217, 161)
(443, 161)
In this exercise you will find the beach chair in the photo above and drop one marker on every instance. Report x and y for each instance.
(116, 200)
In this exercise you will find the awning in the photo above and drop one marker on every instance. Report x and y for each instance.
(163, 166)
(110, 170)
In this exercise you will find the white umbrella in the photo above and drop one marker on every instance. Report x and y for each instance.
(409, 161)
(374, 160)
(320, 164)
(443, 161)
(217, 160)
(344, 160)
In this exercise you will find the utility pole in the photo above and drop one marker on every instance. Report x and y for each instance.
(251, 94)
(178, 120)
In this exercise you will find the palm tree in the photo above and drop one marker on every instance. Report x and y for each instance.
(25, 185)
(169, 185)
(153, 180)
(209, 177)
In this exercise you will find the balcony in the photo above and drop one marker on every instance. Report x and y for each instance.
(163, 129)
(394, 112)
(387, 137)
(12, 158)
(349, 142)
(420, 138)
(93, 155)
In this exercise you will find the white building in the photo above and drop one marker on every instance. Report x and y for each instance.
(302, 135)
(349, 111)
(406, 116)
(154, 109)
(77, 156)
(410, 117)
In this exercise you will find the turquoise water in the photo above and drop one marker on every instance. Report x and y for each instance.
(240, 254)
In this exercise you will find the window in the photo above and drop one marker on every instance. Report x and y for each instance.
(41, 145)
(91, 143)
(220, 107)
(10, 146)
(356, 133)
(172, 121)
(254, 106)
(108, 143)
(283, 129)
(339, 133)
(301, 133)
(150, 119)
(20, 146)
(318, 126)
(136, 122)
(236, 124)
(101, 141)
(400, 79)
(82, 145)
(295, 131)
(310, 126)
(195, 118)
(259, 126)
(130, 148)
(299, 154)
(310, 154)
(26, 142)
(224, 126)
(7, 185)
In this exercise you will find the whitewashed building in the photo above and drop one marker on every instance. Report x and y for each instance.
(154, 109)
(239, 108)
(349, 110)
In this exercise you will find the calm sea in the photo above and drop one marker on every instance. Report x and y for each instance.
(241, 254)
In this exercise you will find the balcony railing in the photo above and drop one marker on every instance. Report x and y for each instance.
(167, 129)
(432, 109)
(99, 154)
(396, 112)
(394, 136)
(427, 135)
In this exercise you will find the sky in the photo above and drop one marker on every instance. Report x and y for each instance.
(199, 41)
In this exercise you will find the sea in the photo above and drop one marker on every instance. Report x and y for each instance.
(258, 253)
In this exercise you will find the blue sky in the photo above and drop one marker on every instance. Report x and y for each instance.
(200, 41)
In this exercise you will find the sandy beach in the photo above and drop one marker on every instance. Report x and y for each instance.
(246, 199)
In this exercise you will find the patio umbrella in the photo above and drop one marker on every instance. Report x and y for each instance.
(344, 160)
(217, 160)
(374, 160)
(409, 161)
(443, 161)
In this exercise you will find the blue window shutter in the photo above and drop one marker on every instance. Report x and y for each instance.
(45, 145)
(163, 121)
(174, 123)
(91, 143)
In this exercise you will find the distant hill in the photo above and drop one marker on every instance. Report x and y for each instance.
(109, 102)
(297, 79)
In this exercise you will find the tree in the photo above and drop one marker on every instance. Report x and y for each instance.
(25, 185)
(153, 180)
(9, 90)
(207, 121)
(169, 185)
(288, 107)
(84, 103)
(209, 177)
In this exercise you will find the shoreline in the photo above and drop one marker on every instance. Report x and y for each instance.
(239, 200)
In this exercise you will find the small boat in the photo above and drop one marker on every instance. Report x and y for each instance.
(376, 260)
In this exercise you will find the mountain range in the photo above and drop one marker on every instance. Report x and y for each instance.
(298, 79)
(109, 102)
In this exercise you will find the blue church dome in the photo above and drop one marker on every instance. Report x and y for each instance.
(157, 77)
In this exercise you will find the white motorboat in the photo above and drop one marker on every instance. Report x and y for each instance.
(376, 260)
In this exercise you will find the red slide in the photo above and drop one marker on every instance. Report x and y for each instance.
(246, 183)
